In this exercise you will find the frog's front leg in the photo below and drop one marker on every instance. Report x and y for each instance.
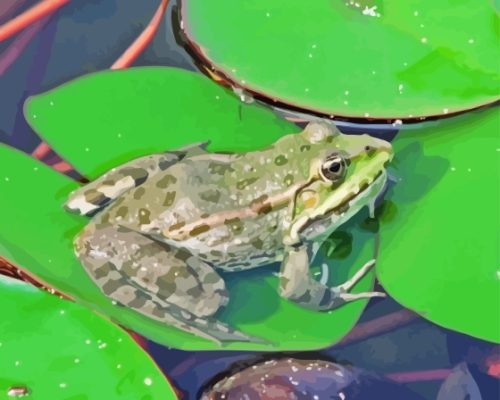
(164, 283)
(297, 285)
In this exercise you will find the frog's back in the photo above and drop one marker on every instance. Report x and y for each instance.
(215, 205)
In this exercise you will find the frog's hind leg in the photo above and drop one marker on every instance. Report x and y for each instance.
(94, 196)
(165, 284)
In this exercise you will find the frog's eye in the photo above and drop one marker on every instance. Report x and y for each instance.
(333, 168)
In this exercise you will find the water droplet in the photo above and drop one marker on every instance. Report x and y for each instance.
(87, 341)
(445, 111)
(35, 168)
(423, 40)
(119, 136)
(306, 89)
(268, 14)
(148, 381)
(61, 312)
(87, 149)
(397, 122)
(63, 385)
(102, 346)
(118, 366)
(18, 391)
(34, 116)
(7, 179)
(471, 41)
(51, 103)
(453, 169)
(346, 92)
(17, 363)
(314, 46)
(415, 13)
(77, 360)
(469, 170)
(367, 115)
(217, 97)
(346, 102)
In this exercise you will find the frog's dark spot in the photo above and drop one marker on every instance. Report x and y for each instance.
(194, 291)
(232, 255)
(199, 230)
(182, 255)
(139, 175)
(329, 139)
(257, 243)
(265, 209)
(281, 160)
(219, 168)
(144, 214)
(257, 203)
(94, 197)
(139, 192)
(288, 180)
(112, 286)
(216, 253)
(165, 181)
(211, 195)
(103, 270)
(105, 218)
(305, 147)
(245, 182)
(204, 215)
(122, 212)
(235, 225)
(212, 277)
(169, 199)
(138, 301)
(176, 226)
(158, 312)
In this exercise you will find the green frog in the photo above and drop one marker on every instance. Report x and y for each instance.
(164, 225)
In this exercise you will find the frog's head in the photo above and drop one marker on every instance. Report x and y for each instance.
(346, 172)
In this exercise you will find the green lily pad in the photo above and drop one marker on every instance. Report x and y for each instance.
(440, 233)
(36, 234)
(53, 349)
(154, 109)
(104, 119)
(366, 58)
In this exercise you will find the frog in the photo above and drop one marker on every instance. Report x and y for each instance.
(165, 226)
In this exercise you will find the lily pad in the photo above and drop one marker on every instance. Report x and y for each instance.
(366, 58)
(37, 234)
(104, 119)
(52, 348)
(440, 233)
(163, 109)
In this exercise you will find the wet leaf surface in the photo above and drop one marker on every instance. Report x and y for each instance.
(439, 233)
(367, 59)
(52, 348)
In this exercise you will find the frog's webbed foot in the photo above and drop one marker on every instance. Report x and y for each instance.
(166, 284)
(96, 195)
(297, 285)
